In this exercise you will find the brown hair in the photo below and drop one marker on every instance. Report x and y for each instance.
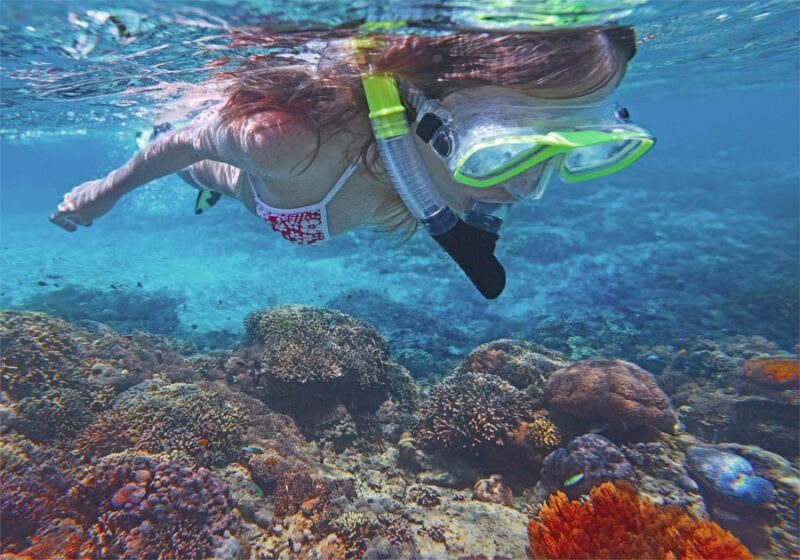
(317, 75)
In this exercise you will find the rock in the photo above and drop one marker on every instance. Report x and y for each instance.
(729, 476)
(610, 390)
(494, 490)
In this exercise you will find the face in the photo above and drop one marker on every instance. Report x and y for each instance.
(457, 194)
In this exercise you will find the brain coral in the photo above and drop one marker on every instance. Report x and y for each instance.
(610, 390)
(299, 354)
(148, 507)
(185, 421)
(615, 523)
(472, 411)
(521, 363)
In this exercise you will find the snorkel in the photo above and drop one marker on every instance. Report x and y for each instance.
(469, 242)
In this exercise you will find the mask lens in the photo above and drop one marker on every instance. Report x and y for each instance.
(591, 159)
(493, 160)
(531, 184)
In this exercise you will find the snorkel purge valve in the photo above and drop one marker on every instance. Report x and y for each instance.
(469, 243)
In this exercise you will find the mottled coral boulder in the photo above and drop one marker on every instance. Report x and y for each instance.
(521, 363)
(610, 390)
(187, 422)
(299, 357)
(144, 506)
(472, 412)
(586, 461)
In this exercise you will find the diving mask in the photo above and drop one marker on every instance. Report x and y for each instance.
(502, 139)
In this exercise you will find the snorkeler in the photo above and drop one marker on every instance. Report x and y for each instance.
(465, 126)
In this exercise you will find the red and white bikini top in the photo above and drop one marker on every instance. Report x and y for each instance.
(305, 225)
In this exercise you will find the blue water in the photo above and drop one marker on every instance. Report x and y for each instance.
(698, 240)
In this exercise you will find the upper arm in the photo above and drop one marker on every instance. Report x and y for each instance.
(272, 144)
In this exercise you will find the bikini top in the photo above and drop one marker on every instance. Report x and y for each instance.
(305, 225)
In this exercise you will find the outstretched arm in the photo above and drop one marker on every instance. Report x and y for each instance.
(169, 153)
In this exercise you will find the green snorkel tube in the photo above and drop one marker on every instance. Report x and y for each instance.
(471, 247)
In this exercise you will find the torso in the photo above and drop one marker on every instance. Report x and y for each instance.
(353, 206)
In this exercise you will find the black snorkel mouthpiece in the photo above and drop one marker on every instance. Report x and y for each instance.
(472, 248)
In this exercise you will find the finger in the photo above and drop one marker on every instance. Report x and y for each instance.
(63, 222)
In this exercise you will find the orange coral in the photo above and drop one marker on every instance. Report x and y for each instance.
(615, 523)
(779, 370)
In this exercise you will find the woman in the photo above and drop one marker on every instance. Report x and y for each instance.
(296, 120)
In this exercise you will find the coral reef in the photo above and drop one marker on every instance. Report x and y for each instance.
(472, 412)
(610, 390)
(723, 414)
(57, 375)
(586, 461)
(300, 355)
(523, 364)
(148, 507)
(615, 523)
(30, 500)
(185, 421)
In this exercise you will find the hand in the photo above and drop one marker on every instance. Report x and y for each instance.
(83, 204)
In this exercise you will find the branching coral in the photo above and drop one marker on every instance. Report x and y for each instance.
(183, 420)
(615, 523)
(472, 411)
(540, 432)
(298, 353)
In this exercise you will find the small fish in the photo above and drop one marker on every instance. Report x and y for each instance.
(113, 286)
(203, 441)
(194, 326)
(42, 283)
(270, 462)
(575, 479)
(253, 449)
(139, 285)
(257, 489)
(53, 276)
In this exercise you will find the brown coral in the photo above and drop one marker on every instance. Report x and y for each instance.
(615, 523)
(472, 411)
(610, 390)
(297, 355)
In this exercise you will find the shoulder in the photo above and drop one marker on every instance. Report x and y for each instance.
(275, 143)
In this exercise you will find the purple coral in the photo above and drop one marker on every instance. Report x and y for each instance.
(147, 508)
(586, 461)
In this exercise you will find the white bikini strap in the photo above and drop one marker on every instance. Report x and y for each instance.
(340, 183)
